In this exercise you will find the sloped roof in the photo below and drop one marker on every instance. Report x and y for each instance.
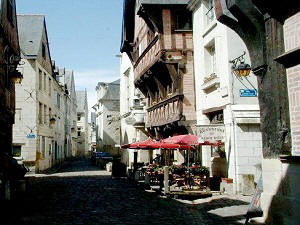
(30, 29)
(81, 101)
(112, 90)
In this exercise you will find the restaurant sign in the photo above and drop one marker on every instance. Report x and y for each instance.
(211, 133)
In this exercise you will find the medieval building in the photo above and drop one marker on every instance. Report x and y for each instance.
(158, 40)
(9, 58)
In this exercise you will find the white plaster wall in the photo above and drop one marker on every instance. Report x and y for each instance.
(26, 112)
(241, 154)
(129, 133)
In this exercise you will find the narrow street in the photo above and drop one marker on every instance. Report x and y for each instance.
(82, 194)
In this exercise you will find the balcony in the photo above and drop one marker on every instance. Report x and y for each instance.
(148, 57)
(167, 111)
(139, 118)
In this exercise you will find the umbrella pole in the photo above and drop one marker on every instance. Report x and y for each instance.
(188, 166)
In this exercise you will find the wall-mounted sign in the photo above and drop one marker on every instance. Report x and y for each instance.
(30, 136)
(211, 133)
(248, 93)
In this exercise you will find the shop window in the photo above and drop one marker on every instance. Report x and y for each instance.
(17, 150)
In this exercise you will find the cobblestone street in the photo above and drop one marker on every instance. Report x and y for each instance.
(82, 194)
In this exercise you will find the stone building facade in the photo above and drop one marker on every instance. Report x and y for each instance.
(38, 131)
(66, 79)
(82, 123)
(132, 114)
(220, 100)
(108, 117)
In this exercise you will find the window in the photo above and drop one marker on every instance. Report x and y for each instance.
(58, 101)
(50, 116)
(140, 49)
(9, 11)
(210, 14)
(50, 86)
(150, 36)
(210, 59)
(43, 50)
(40, 80)
(18, 114)
(43, 146)
(79, 133)
(78, 118)
(17, 150)
(45, 81)
(45, 115)
(184, 21)
(216, 117)
(40, 113)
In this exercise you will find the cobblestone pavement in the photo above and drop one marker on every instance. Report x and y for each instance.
(81, 194)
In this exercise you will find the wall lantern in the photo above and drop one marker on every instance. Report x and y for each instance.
(241, 70)
(16, 77)
(52, 121)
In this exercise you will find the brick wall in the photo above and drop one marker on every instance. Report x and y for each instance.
(292, 41)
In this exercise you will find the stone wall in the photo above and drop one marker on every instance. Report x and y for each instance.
(292, 41)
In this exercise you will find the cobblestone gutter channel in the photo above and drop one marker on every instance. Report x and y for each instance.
(81, 194)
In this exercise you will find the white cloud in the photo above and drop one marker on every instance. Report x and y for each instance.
(88, 79)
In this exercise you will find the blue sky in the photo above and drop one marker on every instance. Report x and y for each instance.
(84, 36)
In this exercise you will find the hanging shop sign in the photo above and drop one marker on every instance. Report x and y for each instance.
(248, 93)
(211, 133)
(31, 136)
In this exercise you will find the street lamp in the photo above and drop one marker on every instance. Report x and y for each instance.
(16, 77)
(52, 121)
(241, 70)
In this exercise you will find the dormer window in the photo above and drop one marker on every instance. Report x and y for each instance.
(210, 14)
(44, 51)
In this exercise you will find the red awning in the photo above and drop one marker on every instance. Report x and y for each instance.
(186, 139)
(140, 145)
(182, 142)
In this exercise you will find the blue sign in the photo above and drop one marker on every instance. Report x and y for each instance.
(31, 136)
(248, 93)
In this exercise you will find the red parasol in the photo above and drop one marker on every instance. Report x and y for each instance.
(186, 139)
(140, 145)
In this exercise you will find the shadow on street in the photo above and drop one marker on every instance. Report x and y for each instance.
(95, 198)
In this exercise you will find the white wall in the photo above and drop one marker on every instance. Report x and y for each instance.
(241, 114)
